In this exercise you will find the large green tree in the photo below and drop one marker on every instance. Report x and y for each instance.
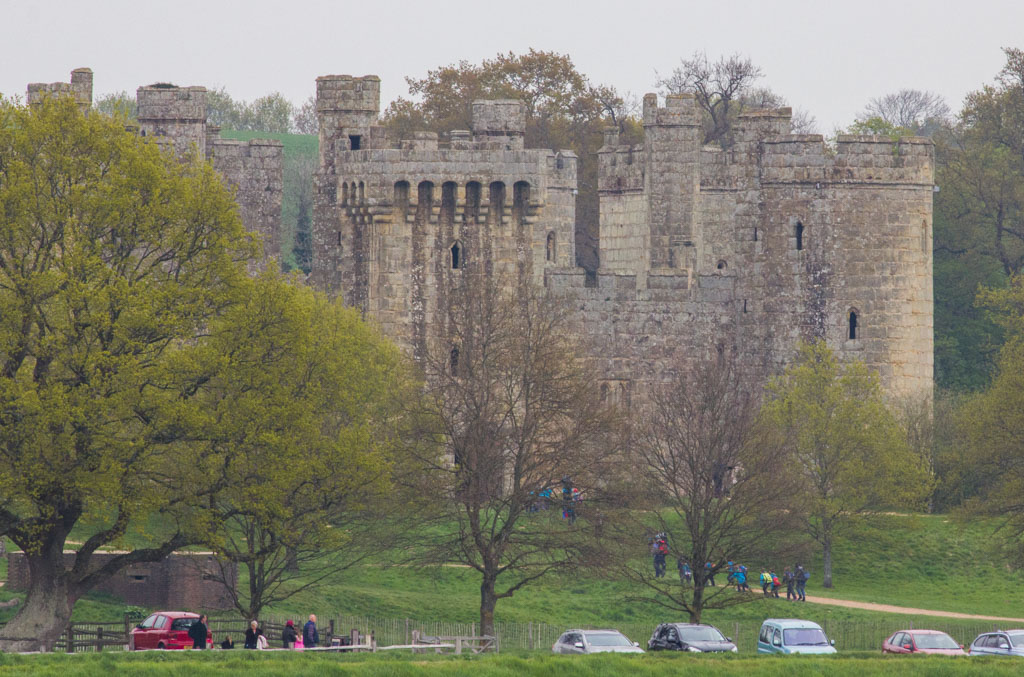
(307, 421)
(992, 425)
(146, 397)
(844, 442)
(563, 110)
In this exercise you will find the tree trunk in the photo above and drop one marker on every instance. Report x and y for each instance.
(826, 543)
(487, 602)
(697, 608)
(47, 609)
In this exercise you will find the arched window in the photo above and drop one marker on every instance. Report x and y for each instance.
(362, 193)
(458, 256)
(604, 392)
(722, 265)
(549, 253)
(853, 324)
(799, 236)
(344, 193)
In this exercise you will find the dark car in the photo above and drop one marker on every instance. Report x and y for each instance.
(922, 641)
(999, 643)
(689, 637)
(165, 630)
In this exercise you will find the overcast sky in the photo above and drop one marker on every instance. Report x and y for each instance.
(828, 58)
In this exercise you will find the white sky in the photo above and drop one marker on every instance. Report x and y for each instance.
(828, 58)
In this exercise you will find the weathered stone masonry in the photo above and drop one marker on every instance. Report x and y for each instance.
(703, 250)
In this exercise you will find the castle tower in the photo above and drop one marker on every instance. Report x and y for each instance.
(80, 88)
(177, 113)
(672, 142)
(500, 123)
(346, 108)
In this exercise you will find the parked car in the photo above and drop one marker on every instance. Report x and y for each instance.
(165, 630)
(998, 643)
(595, 641)
(689, 637)
(792, 635)
(922, 641)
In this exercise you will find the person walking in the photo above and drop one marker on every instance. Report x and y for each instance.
(790, 580)
(744, 584)
(776, 583)
(685, 573)
(198, 632)
(251, 634)
(801, 583)
(288, 635)
(310, 637)
(660, 552)
(709, 573)
(766, 582)
(741, 579)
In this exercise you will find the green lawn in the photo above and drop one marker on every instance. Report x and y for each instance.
(264, 664)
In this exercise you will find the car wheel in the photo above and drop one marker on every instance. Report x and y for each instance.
(161, 646)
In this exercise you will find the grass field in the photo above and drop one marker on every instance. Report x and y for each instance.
(922, 561)
(263, 664)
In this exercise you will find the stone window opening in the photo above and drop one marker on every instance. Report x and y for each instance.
(755, 233)
(355, 141)
(458, 256)
(722, 265)
(138, 578)
(799, 236)
(853, 324)
(339, 238)
(362, 193)
(344, 193)
(744, 305)
(453, 360)
(549, 252)
(604, 392)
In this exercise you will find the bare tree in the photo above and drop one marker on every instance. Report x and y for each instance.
(718, 87)
(517, 418)
(716, 481)
(917, 111)
(305, 120)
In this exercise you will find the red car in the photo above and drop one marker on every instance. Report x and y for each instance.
(165, 630)
(922, 641)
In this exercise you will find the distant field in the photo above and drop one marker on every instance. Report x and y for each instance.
(293, 143)
(261, 664)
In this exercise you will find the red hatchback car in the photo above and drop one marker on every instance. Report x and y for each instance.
(165, 630)
(922, 641)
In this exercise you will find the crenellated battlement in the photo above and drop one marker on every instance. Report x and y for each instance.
(80, 88)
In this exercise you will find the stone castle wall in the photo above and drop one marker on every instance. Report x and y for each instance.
(747, 250)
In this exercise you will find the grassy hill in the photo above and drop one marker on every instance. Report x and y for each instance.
(921, 561)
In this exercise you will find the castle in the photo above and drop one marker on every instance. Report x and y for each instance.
(702, 250)
(176, 118)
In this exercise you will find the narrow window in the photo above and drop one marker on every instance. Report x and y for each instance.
(604, 392)
(339, 238)
(853, 324)
(550, 251)
(453, 359)
(755, 233)
(744, 305)
(799, 236)
(362, 193)
(458, 260)
(355, 141)
(344, 193)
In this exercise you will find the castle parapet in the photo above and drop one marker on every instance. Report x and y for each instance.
(500, 121)
(679, 109)
(80, 88)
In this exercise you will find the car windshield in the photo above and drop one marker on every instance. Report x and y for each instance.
(607, 639)
(701, 634)
(183, 623)
(804, 637)
(1017, 638)
(936, 641)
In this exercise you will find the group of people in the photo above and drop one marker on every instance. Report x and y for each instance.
(794, 579)
(571, 498)
(255, 638)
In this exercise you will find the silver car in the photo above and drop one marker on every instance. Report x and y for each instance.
(595, 641)
(999, 643)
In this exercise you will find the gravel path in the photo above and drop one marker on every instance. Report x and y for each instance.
(888, 608)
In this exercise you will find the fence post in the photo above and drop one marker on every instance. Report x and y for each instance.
(330, 637)
(529, 629)
(71, 639)
(458, 646)
(472, 629)
(99, 639)
(406, 630)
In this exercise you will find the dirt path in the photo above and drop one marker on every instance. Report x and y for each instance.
(888, 608)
